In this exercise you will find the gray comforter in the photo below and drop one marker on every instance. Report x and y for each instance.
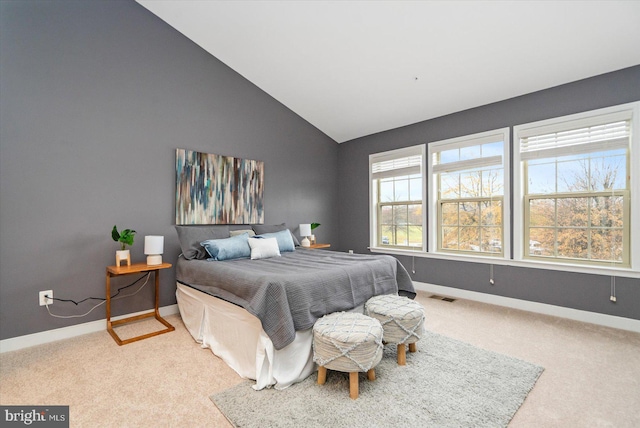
(291, 292)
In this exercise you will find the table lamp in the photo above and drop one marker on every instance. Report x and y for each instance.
(305, 230)
(153, 248)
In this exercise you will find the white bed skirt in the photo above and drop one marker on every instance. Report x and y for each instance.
(237, 337)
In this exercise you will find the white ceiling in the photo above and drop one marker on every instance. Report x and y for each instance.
(354, 68)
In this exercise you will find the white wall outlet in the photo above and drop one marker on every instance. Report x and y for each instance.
(46, 300)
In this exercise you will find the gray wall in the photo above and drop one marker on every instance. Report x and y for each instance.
(573, 290)
(95, 98)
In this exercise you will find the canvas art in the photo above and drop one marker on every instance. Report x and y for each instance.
(215, 189)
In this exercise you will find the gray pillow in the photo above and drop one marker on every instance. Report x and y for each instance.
(272, 228)
(190, 238)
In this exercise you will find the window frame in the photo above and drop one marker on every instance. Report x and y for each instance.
(520, 197)
(374, 191)
(435, 203)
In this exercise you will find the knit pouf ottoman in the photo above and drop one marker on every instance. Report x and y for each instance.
(402, 320)
(347, 342)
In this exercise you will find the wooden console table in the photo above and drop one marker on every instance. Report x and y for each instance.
(312, 246)
(128, 270)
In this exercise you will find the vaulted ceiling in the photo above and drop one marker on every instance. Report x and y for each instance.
(354, 68)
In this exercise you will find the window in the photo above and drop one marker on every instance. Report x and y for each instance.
(576, 176)
(571, 202)
(470, 193)
(397, 195)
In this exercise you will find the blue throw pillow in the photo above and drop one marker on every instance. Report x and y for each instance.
(285, 241)
(235, 247)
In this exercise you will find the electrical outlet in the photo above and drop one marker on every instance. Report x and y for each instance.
(46, 300)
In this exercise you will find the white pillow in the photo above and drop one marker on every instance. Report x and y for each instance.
(263, 248)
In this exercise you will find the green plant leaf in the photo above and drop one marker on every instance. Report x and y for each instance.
(314, 225)
(127, 236)
(114, 234)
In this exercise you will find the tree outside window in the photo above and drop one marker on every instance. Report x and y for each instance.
(576, 207)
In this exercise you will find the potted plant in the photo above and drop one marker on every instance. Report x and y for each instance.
(124, 238)
(312, 238)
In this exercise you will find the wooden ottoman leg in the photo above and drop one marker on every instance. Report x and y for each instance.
(371, 374)
(402, 354)
(322, 375)
(413, 347)
(353, 385)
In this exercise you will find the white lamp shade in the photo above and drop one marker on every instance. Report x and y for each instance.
(153, 248)
(153, 245)
(305, 229)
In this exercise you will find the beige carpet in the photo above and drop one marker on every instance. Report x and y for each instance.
(446, 383)
(591, 377)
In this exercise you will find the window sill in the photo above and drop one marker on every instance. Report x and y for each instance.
(532, 264)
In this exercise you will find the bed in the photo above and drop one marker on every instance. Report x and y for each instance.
(257, 315)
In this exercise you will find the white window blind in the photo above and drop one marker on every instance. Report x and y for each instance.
(576, 140)
(407, 165)
(396, 163)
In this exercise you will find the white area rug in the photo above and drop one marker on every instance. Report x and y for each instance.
(447, 383)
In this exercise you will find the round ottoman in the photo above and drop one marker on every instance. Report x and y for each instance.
(347, 342)
(402, 320)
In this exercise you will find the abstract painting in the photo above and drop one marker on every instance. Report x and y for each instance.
(215, 189)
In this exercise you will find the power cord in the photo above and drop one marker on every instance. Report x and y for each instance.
(99, 298)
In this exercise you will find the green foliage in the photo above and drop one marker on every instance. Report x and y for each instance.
(314, 225)
(125, 237)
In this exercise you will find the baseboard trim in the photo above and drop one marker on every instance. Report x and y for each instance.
(540, 308)
(21, 342)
